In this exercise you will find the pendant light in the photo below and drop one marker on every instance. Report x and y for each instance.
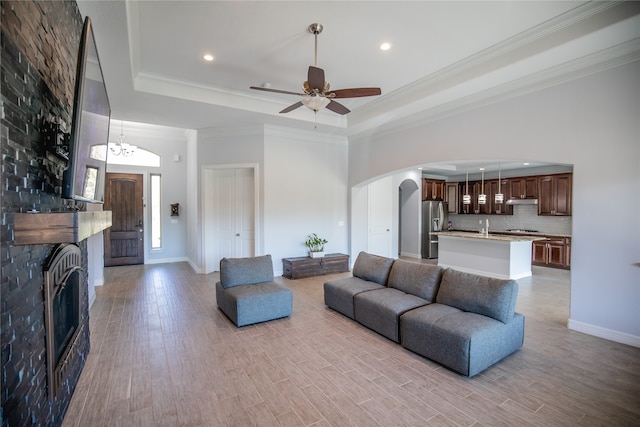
(482, 198)
(121, 148)
(466, 199)
(499, 196)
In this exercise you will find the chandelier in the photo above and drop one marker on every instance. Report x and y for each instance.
(121, 148)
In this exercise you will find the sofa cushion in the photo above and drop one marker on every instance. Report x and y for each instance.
(338, 294)
(421, 280)
(465, 342)
(381, 309)
(245, 271)
(373, 268)
(249, 304)
(488, 296)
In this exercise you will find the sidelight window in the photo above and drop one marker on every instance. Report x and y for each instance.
(156, 220)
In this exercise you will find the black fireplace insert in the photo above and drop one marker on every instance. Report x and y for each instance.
(62, 279)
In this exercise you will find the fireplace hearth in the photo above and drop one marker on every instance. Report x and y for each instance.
(62, 281)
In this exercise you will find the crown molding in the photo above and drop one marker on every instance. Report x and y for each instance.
(447, 98)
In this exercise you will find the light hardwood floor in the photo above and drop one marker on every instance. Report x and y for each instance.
(163, 354)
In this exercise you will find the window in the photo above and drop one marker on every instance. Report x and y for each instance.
(156, 220)
(140, 157)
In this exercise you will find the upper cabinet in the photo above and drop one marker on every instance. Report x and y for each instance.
(432, 189)
(523, 188)
(555, 195)
(496, 187)
(552, 191)
(490, 190)
(451, 196)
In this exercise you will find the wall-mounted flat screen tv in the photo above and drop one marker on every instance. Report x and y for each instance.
(84, 178)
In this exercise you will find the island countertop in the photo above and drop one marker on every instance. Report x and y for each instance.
(491, 236)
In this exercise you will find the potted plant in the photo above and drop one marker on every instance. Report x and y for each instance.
(315, 245)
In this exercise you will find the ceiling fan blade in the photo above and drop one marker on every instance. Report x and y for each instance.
(266, 89)
(355, 92)
(316, 78)
(336, 107)
(292, 107)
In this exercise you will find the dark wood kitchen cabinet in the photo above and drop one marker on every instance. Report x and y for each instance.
(433, 189)
(552, 252)
(451, 196)
(523, 188)
(493, 187)
(555, 195)
(473, 191)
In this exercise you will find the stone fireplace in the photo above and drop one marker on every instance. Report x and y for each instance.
(39, 50)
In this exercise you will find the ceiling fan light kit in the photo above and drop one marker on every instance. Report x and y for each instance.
(315, 103)
(317, 94)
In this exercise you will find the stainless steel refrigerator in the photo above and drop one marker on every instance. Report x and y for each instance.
(434, 218)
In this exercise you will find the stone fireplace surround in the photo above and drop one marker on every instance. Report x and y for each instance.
(39, 44)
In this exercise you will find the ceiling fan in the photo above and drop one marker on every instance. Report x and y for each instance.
(317, 94)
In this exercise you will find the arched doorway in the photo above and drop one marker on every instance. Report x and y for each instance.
(409, 219)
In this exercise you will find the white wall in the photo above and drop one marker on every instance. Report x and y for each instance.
(167, 142)
(229, 146)
(302, 184)
(193, 190)
(305, 192)
(591, 123)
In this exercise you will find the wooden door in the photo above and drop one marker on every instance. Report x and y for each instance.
(124, 241)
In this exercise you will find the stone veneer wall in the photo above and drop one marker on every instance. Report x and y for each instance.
(39, 41)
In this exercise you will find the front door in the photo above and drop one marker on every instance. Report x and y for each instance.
(124, 241)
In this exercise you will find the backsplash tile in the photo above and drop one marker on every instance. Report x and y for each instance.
(524, 217)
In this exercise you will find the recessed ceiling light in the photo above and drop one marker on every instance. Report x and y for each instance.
(525, 164)
(208, 57)
(385, 46)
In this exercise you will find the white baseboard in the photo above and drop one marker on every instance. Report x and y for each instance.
(195, 267)
(92, 299)
(600, 332)
(410, 255)
(166, 260)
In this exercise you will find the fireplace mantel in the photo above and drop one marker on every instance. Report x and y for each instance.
(58, 227)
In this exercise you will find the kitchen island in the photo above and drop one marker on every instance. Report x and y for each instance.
(495, 255)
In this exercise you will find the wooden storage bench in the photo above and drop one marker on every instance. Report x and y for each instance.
(300, 267)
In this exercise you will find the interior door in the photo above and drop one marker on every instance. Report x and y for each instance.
(124, 240)
(229, 215)
(380, 217)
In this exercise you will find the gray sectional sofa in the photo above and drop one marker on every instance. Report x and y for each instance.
(463, 321)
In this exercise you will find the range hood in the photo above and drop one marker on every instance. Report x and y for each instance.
(522, 201)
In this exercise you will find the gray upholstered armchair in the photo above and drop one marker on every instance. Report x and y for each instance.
(247, 294)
